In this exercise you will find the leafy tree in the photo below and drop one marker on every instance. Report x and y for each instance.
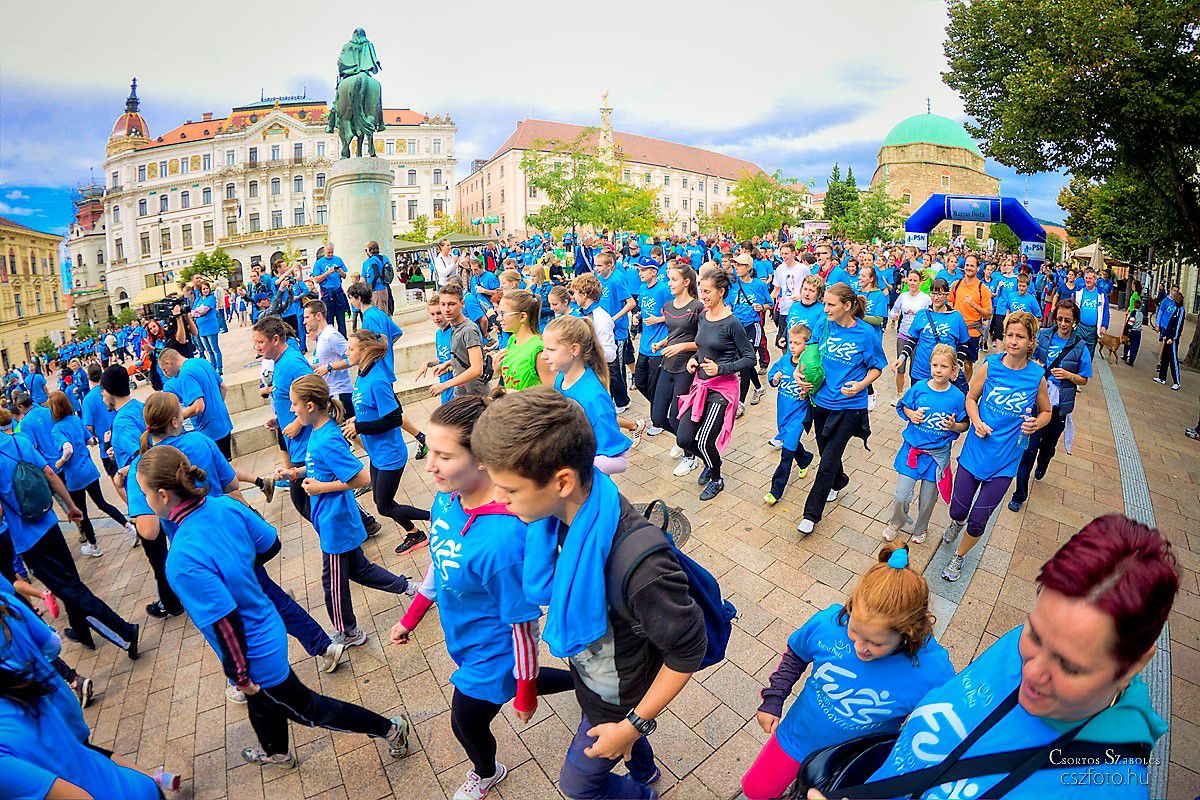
(850, 177)
(620, 206)
(125, 317)
(214, 265)
(874, 215)
(938, 239)
(1005, 239)
(567, 173)
(419, 231)
(1122, 213)
(46, 348)
(1101, 88)
(447, 225)
(761, 204)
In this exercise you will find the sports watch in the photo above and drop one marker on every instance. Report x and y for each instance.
(643, 726)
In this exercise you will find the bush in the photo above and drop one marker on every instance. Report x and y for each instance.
(45, 347)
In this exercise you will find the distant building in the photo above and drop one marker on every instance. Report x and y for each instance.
(31, 301)
(252, 183)
(928, 154)
(689, 181)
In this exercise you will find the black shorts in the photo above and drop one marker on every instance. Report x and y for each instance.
(971, 348)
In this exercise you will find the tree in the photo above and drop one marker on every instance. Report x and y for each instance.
(874, 215)
(419, 231)
(213, 266)
(761, 204)
(1122, 213)
(1094, 87)
(1005, 239)
(125, 317)
(619, 206)
(46, 348)
(567, 173)
(447, 225)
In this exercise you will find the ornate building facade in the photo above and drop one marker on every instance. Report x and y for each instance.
(928, 154)
(31, 300)
(252, 183)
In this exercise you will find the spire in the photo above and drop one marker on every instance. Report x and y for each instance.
(132, 102)
(607, 147)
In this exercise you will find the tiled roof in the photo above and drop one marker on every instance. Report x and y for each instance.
(313, 112)
(531, 134)
(8, 223)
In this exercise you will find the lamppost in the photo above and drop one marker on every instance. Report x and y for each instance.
(162, 270)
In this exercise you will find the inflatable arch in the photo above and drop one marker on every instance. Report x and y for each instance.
(970, 208)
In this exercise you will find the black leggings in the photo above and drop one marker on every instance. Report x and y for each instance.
(671, 386)
(833, 430)
(471, 719)
(699, 438)
(750, 375)
(80, 497)
(270, 709)
(384, 485)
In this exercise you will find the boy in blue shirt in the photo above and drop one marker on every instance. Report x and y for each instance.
(791, 411)
(654, 295)
(616, 299)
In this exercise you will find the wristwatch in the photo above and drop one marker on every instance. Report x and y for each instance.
(643, 726)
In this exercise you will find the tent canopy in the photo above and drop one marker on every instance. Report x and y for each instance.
(403, 246)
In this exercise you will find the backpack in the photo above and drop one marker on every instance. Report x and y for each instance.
(633, 546)
(30, 487)
(387, 272)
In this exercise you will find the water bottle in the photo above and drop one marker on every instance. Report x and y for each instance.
(1023, 439)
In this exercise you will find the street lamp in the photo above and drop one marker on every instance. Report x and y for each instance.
(162, 270)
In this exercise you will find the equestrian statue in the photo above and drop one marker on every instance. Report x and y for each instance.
(357, 111)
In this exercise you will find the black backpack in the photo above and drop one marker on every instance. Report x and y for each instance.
(30, 487)
(387, 272)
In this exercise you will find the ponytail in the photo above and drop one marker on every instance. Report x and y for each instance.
(845, 295)
(895, 593)
(165, 467)
(579, 331)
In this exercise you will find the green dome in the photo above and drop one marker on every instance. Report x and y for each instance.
(931, 129)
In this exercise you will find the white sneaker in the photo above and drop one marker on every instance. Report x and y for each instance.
(131, 529)
(1175, 387)
(832, 496)
(639, 428)
(870, 402)
(686, 465)
(92, 550)
(741, 409)
(653, 430)
(234, 695)
(359, 638)
(622, 409)
(676, 452)
(332, 657)
(477, 788)
(806, 526)
(776, 443)
(757, 397)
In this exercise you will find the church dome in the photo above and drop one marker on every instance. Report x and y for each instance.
(931, 129)
(131, 123)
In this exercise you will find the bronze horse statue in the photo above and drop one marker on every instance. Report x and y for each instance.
(357, 111)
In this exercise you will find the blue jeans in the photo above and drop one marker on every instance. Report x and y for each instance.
(585, 778)
(211, 349)
(299, 623)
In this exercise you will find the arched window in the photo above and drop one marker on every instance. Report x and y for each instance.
(253, 189)
(142, 207)
(185, 199)
(298, 183)
(276, 186)
(412, 177)
(437, 177)
(229, 192)
(320, 180)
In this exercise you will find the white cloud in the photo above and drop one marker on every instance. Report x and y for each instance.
(16, 194)
(16, 211)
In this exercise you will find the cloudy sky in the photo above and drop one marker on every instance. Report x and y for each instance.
(793, 85)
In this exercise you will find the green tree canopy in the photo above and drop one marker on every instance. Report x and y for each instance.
(567, 173)
(840, 195)
(873, 215)
(1006, 241)
(213, 266)
(45, 346)
(761, 204)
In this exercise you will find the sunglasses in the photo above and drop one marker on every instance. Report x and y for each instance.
(1065, 319)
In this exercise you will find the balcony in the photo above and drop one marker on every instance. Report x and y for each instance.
(273, 233)
(112, 191)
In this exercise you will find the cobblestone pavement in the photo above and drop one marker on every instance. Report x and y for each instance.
(168, 708)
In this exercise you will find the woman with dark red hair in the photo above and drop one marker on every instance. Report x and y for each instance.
(1057, 702)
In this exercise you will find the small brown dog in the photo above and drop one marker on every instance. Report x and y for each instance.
(1110, 343)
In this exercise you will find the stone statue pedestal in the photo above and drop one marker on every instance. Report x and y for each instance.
(359, 192)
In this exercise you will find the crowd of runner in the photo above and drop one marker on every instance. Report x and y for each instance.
(537, 346)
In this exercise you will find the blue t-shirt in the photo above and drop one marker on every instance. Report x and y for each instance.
(378, 321)
(202, 452)
(839, 275)
(651, 301)
(695, 255)
(877, 306)
(847, 354)
(614, 293)
(80, 470)
(1009, 395)
(372, 273)
(208, 324)
(333, 281)
(442, 350)
(484, 280)
(198, 380)
(1005, 285)
(791, 410)
(473, 307)
(1057, 343)
(24, 534)
(288, 367)
(597, 403)
(931, 328)
(949, 277)
(949, 712)
(931, 434)
(844, 696)
(334, 514)
(211, 567)
(37, 426)
(37, 388)
(477, 575)
(742, 296)
(1015, 301)
(129, 422)
(375, 398)
(812, 317)
(1090, 308)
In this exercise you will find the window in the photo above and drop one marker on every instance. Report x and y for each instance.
(389, 147)
(165, 239)
(206, 196)
(206, 162)
(647, 178)
(230, 158)
(322, 215)
(979, 232)
(252, 189)
(955, 229)
(100, 257)
(501, 170)
(685, 183)
(185, 166)
(37, 296)
(320, 180)
(255, 224)
(116, 214)
(274, 152)
(412, 177)
(685, 204)
(276, 219)
(439, 208)
(501, 197)
(298, 216)
(231, 226)
(17, 300)
(276, 186)
(393, 211)
(412, 210)
(229, 191)
(906, 197)
(412, 145)
(437, 147)
(298, 183)
(533, 192)
(162, 169)
(716, 188)
(185, 199)
(320, 149)
(700, 185)
(187, 236)
(116, 179)
(208, 231)
(666, 202)
(141, 172)
(945, 181)
(666, 180)
(254, 156)
(626, 175)
(437, 177)
(163, 201)
(119, 249)
(700, 206)
(298, 151)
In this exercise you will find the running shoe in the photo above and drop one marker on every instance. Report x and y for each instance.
(51, 603)
(360, 491)
(953, 570)
(1174, 387)
(1160, 380)
(776, 443)
(359, 637)
(73, 635)
(415, 540)
(952, 531)
(757, 397)
(397, 739)
(1014, 505)
(762, 370)
(639, 428)
(159, 611)
(870, 402)
(676, 451)
(653, 430)
(92, 550)
(806, 526)
(234, 695)
(919, 538)
(1192, 433)
(703, 479)
(890, 532)
(332, 657)
(770, 499)
(622, 409)
(131, 529)
(267, 484)
(712, 489)
(283, 483)
(477, 788)
(167, 781)
(832, 496)
(741, 410)
(802, 472)
(1039, 473)
(422, 450)
(84, 690)
(685, 466)
(256, 755)
(372, 526)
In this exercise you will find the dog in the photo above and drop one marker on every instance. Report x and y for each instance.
(1110, 343)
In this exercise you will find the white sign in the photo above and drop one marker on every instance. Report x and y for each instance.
(1034, 251)
(917, 240)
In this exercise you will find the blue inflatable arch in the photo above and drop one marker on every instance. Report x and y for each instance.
(970, 208)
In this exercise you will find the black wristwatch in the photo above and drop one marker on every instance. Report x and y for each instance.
(643, 726)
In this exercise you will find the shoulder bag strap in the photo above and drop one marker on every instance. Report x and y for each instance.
(1062, 354)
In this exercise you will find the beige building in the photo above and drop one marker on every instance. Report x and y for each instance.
(252, 183)
(31, 301)
(689, 181)
(928, 154)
